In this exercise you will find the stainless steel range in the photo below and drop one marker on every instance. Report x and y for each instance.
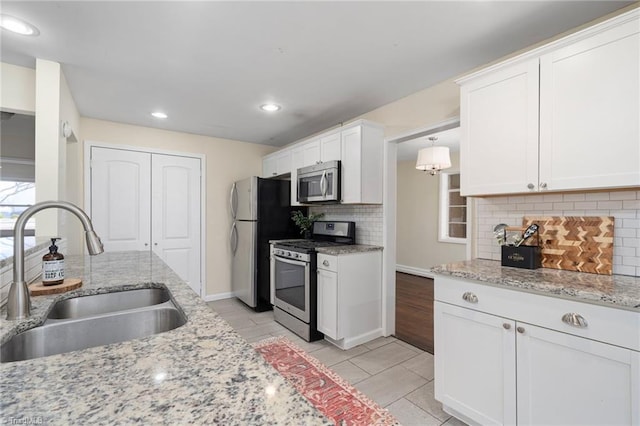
(293, 276)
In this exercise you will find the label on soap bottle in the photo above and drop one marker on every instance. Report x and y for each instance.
(53, 270)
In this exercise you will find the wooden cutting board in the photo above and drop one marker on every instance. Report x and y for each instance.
(576, 243)
(39, 289)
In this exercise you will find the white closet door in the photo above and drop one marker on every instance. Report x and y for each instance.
(121, 198)
(176, 214)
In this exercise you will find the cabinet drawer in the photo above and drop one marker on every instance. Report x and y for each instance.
(610, 325)
(327, 262)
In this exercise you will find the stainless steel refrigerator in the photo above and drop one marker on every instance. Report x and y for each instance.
(260, 212)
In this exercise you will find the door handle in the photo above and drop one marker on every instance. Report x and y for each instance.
(323, 184)
(233, 238)
(233, 200)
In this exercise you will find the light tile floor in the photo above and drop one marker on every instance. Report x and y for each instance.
(393, 373)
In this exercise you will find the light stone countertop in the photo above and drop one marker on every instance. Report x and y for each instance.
(617, 291)
(347, 249)
(202, 372)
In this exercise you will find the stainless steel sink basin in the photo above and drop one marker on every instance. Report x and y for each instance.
(58, 336)
(95, 304)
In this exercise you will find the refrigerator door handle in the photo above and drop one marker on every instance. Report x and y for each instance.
(233, 200)
(233, 238)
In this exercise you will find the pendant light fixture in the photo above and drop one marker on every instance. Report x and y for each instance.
(434, 158)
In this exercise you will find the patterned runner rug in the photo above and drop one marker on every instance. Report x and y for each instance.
(327, 391)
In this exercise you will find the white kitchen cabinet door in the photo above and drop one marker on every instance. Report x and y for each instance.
(589, 112)
(362, 152)
(269, 167)
(569, 380)
(475, 364)
(176, 213)
(276, 164)
(327, 314)
(499, 123)
(311, 153)
(121, 198)
(330, 147)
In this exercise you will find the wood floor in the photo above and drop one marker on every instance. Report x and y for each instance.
(414, 310)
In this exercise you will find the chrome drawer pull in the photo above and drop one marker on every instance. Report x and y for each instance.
(470, 297)
(325, 262)
(575, 320)
(506, 326)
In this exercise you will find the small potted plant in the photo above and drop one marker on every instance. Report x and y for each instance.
(305, 223)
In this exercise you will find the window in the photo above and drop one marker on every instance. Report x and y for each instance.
(453, 210)
(15, 197)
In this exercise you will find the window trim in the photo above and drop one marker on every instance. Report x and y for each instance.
(443, 217)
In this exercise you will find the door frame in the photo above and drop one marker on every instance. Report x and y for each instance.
(203, 190)
(389, 217)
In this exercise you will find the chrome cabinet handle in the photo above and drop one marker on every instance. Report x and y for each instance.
(325, 263)
(274, 174)
(470, 297)
(543, 185)
(531, 186)
(575, 320)
(506, 326)
(520, 330)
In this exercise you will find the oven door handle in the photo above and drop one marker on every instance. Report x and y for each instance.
(292, 262)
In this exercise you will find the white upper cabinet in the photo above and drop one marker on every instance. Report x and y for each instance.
(499, 141)
(561, 117)
(276, 164)
(589, 112)
(362, 164)
(330, 147)
(360, 148)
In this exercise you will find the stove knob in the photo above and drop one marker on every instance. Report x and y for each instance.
(296, 255)
(289, 254)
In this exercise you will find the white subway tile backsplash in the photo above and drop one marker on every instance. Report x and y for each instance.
(624, 206)
(610, 205)
(573, 197)
(368, 219)
(597, 196)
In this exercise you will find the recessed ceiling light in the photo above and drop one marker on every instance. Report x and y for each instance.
(158, 114)
(18, 26)
(270, 107)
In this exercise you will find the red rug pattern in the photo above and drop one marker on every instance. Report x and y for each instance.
(328, 392)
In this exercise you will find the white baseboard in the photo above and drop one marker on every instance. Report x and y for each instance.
(352, 342)
(217, 296)
(414, 271)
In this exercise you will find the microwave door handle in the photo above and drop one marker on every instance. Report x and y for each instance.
(323, 184)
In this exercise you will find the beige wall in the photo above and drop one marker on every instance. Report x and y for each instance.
(226, 162)
(417, 219)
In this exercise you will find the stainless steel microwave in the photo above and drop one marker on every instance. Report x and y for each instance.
(319, 183)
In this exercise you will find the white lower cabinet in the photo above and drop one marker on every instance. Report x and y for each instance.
(498, 368)
(349, 298)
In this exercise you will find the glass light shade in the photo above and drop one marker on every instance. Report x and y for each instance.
(433, 158)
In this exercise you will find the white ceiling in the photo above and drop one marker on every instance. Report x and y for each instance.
(210, 65)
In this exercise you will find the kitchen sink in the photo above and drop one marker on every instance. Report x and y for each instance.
(88, 330)
(95, 304)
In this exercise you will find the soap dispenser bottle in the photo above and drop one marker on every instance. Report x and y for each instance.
(53, 265)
